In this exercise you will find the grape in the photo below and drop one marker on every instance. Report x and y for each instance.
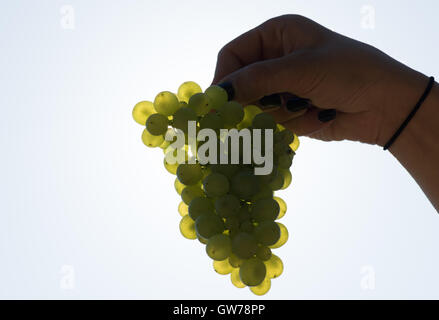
(219, 247)
(265, 209)
(267, 233)
(212, 121)
(250, 112)
(264, 121)
(208, 225)
(183, 209)
(282, 207)
(295, 144)
(284, 161)
(236, 280)
(215, 185)
(283, 236)
(150, 140)
(264, 193)
(181, 118)
(286, 178)
(232, 223)
(252, 272)
(218, 96)
(244, 185)
(166, 103)
(274, 266)
(172, 168)
(199, 206)
(232, 113)
(263, 253)
(234, 260)
(191, 192)
(189, 174)
(187, 89)
(227, 205)
(284, 136)
(278, 180)
(246, 226)
(142, 111)
(178, 186)
(262, 288)
(157, 124)
(200, 103)
(244, 213)
(222, 267)
(244, 245)
(187, 227)
(228, 170)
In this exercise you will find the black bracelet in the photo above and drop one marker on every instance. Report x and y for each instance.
(410, 116)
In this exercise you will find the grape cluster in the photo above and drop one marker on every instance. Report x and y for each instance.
(225, 206)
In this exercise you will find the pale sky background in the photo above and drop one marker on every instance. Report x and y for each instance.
(87, 211)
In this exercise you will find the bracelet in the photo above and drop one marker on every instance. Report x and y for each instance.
(411, 115)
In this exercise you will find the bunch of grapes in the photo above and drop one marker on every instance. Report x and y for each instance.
(228, 208)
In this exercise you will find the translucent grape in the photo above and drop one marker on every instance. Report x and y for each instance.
(228, 170)
(283, 236)
(264, 121)
(142, 111)
(252, 272)
(222, 267)
(284, 161)
(274, 266)
(278, 180)
(218, 96)
(246, 226)
(227, 205)
(250, 112)
(166, 103)
(215, 185)
(212, 121)
(263, 253)
(208, 225)
(232, 223)
(262, 288)
(282, 207)
(286, 178)
(265, 210)
(244, 213)
(264, 193)
(199, 206)
(181, 118)
(232, 113)
(200, 103)
(295, 144)
(183, 209)
(187, 89)
(187, 227)
(244, 245)
(234, 260)
(172, 168)
(191, 192)
(219, 247)
(150, 140)
(244, 185)
(157, 124)
(178, 186)
(189, 174)
(283, 136)
(235, 278)
(267, 233)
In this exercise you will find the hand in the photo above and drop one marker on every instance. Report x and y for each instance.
(370, 92)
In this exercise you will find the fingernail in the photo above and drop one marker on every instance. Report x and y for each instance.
(229, 89)
(327, 115)
(297, 104)
(271, 100)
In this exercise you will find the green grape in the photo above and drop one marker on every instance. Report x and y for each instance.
(234, 260)
(150, 140)
(178, 186)
(227, 205)
(283, 136)
(263, 253)
(286, 174)
(284, 161)
(274, 266)
(262, 288)
(215, 185)
(295, 144)
(166, 103)
(278, 180)
(213, 121)
(236, 280)
(232, 113)
(280, 127)
(252, 272)
(283, 236)
(264, 121)
(172, 168)
(208, 225)
(183, 209)
(203, 241)
(191, 192)
(199, 206)
(181, 118)
(250, 112)
(267, 233)
(187, 228)
(228, 170)
(222, 267)
(189, 174)
(246, 226)
(282, 207)
(157, 124)
(200, 103)
(265, 210)
(244, 245)
(232, 223)
(218, 96)
(244, 213)
(187, 89)
(244, 185)
(219, 247)
(264, 193)
(142, 111)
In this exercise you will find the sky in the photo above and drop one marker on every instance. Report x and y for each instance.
(88, 212)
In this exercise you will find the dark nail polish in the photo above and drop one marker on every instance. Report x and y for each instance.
(297, 104)
(229, 89)
(271, 100)
(327, 115)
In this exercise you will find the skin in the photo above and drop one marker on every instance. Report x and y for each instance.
(371, 92)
